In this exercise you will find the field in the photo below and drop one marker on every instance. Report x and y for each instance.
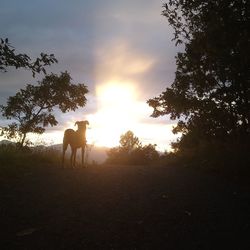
(121, 207)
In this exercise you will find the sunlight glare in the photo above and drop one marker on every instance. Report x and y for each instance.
(115, 113)
(119, 110)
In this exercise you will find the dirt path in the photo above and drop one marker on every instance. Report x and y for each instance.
(122, 208)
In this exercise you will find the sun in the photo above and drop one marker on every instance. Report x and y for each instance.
(116, 106)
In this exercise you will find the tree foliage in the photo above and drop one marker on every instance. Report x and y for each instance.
(129, 142)
(9, 57)
(210, 95)
(132, 152)
(31, 109)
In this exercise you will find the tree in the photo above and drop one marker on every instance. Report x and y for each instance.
(210, 95)
(122, 154)
(144, 155)
(32, 108)
(149, 153)
(129, 142)
(8, 58)
(132, 152)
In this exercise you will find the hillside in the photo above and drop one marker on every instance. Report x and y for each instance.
(93, 154)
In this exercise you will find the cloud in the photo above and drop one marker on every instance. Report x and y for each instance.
(118, 60)
(77, 31)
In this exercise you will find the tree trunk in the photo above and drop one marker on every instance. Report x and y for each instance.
(23, 140)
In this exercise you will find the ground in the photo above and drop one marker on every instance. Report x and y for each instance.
(122, 207)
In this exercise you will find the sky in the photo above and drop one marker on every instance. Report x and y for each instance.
(121, 50)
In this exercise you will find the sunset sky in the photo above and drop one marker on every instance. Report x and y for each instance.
(122, 50)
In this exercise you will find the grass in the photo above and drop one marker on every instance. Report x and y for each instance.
(14, 161)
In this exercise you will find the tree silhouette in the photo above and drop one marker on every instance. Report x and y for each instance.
(210, 95)
(129, 142)
(32, 108)
(8, 58)
(132, 152)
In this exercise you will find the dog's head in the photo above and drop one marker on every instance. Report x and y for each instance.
(82, 124)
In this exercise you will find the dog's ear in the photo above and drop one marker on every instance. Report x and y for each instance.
(76, 123)
(87, 122)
